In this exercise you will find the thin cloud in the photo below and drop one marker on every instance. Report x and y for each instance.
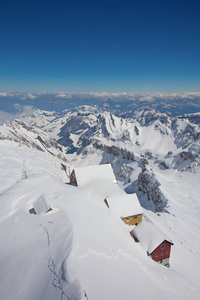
(27, 110)
(5, 116)
(23, 108)
(64, 95)
(20, 110)
(28, 96)
(6, 94)
(146, 98)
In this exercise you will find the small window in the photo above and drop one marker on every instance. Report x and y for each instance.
(162, 253)
(163, 246)
(157, 255)
(127, 219)
(167, 252)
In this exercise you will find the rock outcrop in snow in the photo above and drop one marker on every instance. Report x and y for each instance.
(149, 184)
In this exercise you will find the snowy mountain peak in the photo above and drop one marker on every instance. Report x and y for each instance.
(24, 134)
(147, 131)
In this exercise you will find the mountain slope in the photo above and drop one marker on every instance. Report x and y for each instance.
(149, 138)
(24, 134)
(91, 247)
(146, 131)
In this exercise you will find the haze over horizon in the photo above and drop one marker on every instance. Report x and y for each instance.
(113, 46)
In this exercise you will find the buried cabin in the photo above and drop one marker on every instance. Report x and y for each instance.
(127, 206)
(87, 175)
(154, 241)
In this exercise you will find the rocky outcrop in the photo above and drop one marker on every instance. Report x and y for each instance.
(193, 118)
(186, 161)
(116, 151)
(163, 164)
(136, 130)
(125, 172)
(185, 133)
(147, 117)
(149, 185)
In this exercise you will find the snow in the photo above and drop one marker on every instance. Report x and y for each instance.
(126, 205)
(89, 174)
(91, 247)
(88, 244)
(154, 140)
(40, 205)
(149, 235)
(24, 247)
(4, 130)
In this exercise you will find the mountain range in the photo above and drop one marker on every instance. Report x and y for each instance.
(117, 103)
(153, 154)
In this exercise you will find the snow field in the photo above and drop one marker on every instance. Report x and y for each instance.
(91, 247)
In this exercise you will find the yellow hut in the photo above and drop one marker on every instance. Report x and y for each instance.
(127, 206)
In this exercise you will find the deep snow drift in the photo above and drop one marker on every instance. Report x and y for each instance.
(81, 249)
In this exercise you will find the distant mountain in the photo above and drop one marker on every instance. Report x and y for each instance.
(24, 134)
(120, 104)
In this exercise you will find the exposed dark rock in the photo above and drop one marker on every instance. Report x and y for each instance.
(126, 136)
(184, 156)
(163, 164)
(125, 171)
(149, 154)
(148, 184)
(147, 117)
(136, 130)
(144, 161)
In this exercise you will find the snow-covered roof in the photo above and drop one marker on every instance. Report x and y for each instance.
(86, 175)
(126, 205)
(40, 205)
(149, 235)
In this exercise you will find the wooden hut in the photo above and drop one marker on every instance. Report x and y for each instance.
(87, 175)
(154, 241)
(127, 207)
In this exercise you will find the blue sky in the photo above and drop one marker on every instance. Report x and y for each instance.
(79, 46)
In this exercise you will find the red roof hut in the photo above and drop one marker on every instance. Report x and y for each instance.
(155, 242)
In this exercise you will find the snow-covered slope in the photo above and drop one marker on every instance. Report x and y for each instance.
(87, 245)
(149, 138)
(24, 134)
(147, 131)
(70, 127)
